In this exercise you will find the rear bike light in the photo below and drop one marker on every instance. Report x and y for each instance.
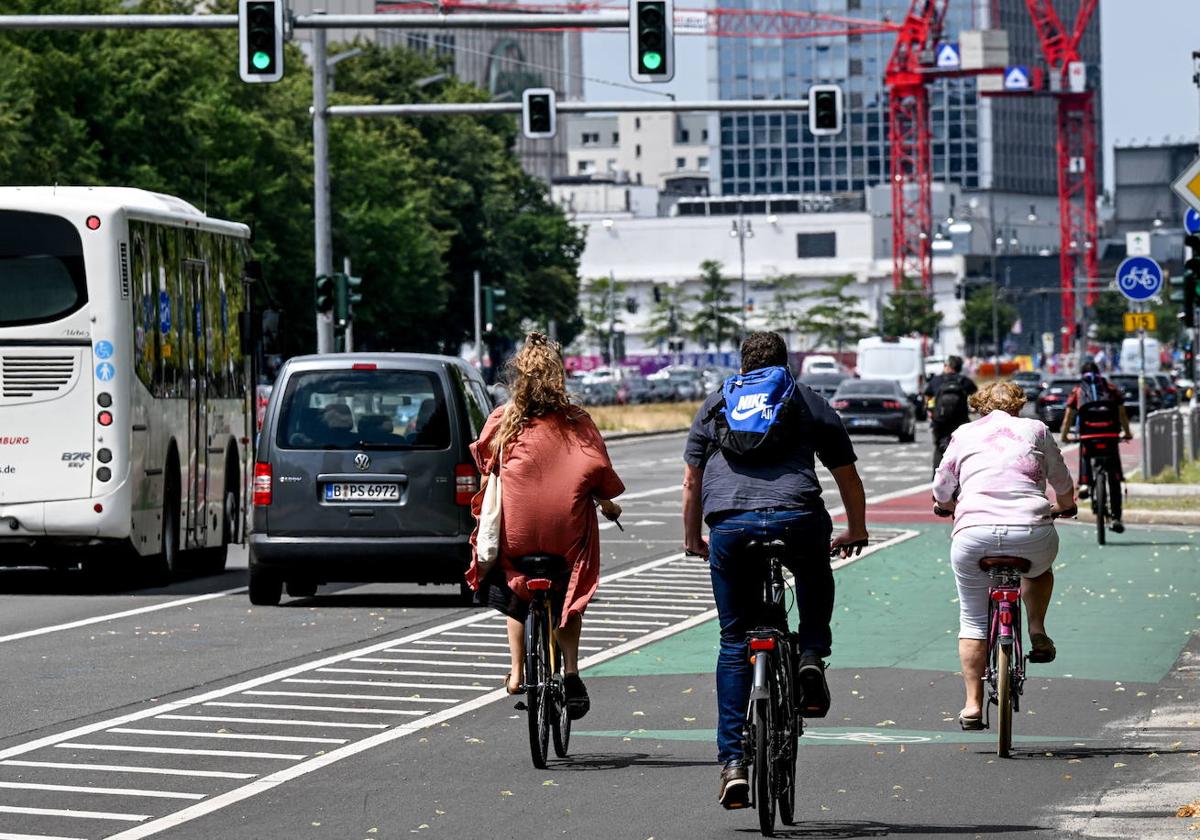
(763, 644)
(262, 485)
(466, 483)
(1005, 618)
(537, 584)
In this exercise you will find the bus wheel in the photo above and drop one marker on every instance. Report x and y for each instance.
(165, 565)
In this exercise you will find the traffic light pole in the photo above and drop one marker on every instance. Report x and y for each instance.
(322, 220)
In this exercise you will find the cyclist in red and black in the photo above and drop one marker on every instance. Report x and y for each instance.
(1100, 406)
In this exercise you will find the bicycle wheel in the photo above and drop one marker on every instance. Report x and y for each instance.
(1004, 690)
(1100, 494)
(764, 795)
(787, 723)
(560, 721)
(537, 671)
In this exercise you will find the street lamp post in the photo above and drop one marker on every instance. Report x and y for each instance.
(742, 230)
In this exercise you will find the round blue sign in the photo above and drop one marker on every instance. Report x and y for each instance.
(1139, 278)
(1191, 221)
(164, 312)
(105, 372)
(104, 349)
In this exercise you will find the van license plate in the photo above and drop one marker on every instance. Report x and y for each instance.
(362, 492)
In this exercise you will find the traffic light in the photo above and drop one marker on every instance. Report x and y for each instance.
(1191, 280)
(346, 298)
(260, 40)
(538, 110)
(825, 115)
(326, 292)
(493, 303)
(651, 40)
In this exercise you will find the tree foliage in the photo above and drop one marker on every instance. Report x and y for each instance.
(668, 315)
(715, 316)
(909, 311)
(829, 315)
(602, 310)
(976, 324)
(417, 204)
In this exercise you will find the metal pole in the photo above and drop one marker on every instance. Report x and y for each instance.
(995, 328)
(741, 231)
(348, 330)
(478, 321)
(1142, 403)
(322, 222)
(481, 108)
(612, 319)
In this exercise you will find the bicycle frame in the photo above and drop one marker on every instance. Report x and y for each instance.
(1004, 629)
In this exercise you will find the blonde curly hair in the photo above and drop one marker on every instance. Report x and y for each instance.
(1002, 396)
(539, 387)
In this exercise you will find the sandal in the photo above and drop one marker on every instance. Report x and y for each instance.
(577, 700)
(970, 724)
(1042, 648)
(508, 687)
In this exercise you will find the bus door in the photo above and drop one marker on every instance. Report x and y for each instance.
(196, 284)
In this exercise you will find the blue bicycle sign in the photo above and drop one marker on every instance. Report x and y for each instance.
(1139, 278)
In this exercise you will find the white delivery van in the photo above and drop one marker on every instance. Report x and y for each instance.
(1131, 362)
(898, 359)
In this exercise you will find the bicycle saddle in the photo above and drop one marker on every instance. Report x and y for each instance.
(540, 565)
(766, 548)
(1019, 564)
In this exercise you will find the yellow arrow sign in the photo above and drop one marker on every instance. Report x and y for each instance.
(1187, 185)
(1135, 321)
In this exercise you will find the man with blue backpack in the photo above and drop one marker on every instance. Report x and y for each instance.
(750, 475)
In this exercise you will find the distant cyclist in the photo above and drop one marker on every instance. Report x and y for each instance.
(1104, 405)
(950, 392)
(750, 475)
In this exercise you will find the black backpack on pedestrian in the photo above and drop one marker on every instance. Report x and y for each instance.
(950, 403)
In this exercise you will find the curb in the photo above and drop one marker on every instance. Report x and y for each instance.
(611, 436)
(1158, 491)
(1134, 516)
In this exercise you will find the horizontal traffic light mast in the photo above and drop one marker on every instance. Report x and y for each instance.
(430, 109)
(501, 20)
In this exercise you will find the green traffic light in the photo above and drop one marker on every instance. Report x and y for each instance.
(261, 60)
(652, 60)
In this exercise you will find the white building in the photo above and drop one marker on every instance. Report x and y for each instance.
(671, 152)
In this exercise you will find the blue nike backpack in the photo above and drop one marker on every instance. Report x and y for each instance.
(755, 412)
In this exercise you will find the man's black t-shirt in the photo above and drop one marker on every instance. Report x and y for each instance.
(788, 481)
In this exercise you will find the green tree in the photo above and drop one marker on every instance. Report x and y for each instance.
(602, 306)
(909, 310)
(715, 317)
(668, 315)
(829, 315)
(976, 323)
(1107, 317)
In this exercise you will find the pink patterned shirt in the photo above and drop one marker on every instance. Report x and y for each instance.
(1000, 465)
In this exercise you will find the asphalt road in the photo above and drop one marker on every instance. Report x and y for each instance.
(372, 711)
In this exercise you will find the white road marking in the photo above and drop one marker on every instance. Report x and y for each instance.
(471, 635)
(82, 815)
(411, 698)
(626, 621)
(124, 768)
(153, 794)
(447, 649)
(450, 674)
(84, 622)
(72, 745)
(274, 721)
(602, 604)
(388, 684)
(466, 644)
(236, 736)
(305, 708)
(4, 835)
(418, 662)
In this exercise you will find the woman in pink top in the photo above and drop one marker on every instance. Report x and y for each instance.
(994, 478)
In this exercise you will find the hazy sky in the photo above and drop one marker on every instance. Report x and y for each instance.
(1147, 70)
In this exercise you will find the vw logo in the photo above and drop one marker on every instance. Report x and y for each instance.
(362, 461)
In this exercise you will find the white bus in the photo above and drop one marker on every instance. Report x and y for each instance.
(125, 412)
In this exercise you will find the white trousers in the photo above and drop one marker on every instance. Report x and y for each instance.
(1036, 543)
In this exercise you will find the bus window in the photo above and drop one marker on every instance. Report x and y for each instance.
(41, 268)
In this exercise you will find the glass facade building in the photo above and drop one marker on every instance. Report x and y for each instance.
(977, 142)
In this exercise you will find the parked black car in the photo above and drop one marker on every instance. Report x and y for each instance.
(1168, 389)
(1128, 383)
(875, 406)
(824, 384)
(1030, 381)
(363, 472)
(1052, 401)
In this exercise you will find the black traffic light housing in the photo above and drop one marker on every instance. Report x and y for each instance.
(260, 40)
(825, 110)
(493, 304)
(345, 298)
(539, 108)
(1191, 280)
(651, 40)
(326, 292)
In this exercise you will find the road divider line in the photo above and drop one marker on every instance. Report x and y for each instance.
(467, 644)
(448, 650)
(236, 736)
(4, 835)
(66, 812)
(393, 697)
(126, 768)
(303, 707)
(274, 721)
(72, 745)
(97, 619)
(383, 683)
(103, 791)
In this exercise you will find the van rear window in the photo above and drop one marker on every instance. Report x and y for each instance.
(41, 268)
(363, 409)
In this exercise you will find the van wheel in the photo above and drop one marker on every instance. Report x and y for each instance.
(909, 434)
(301, 588)
(266, 589)
(165, 566)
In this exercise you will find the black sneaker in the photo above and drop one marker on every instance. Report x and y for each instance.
(1118, 527)
(577, 700)
(1084, 492)
(735, 785)
(812, 690)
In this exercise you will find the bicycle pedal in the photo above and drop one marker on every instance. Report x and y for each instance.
(520, 706)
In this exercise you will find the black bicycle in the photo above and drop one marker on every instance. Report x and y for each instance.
(545, 698)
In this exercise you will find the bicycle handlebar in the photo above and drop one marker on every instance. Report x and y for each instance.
(942, 512)
(1065, 513)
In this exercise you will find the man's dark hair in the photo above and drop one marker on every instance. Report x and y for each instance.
(954, 363)
(763, 349)
(1090, 366)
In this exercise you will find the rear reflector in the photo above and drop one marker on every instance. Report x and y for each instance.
(763, 644)
(362, 366)
(537, 584)
(466, 483)
(262, 485)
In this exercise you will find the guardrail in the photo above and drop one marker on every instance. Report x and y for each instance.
(1173, 435)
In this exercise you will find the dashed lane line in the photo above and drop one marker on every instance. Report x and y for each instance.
(127, 768)
(65, 812)
(102, 791)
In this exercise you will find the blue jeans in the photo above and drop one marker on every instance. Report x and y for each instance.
(738, 587)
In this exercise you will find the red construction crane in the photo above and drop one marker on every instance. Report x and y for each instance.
(1078, 226)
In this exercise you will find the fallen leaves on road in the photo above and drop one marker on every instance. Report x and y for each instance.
(506, 793)
(886, 723)
(1192, 809)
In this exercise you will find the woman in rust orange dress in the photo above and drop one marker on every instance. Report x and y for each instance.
(556, 470)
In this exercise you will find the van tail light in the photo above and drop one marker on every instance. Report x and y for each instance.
(466, 484)
(262, 485)
(893, 404)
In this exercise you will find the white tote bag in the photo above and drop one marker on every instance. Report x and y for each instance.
(487, 541)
